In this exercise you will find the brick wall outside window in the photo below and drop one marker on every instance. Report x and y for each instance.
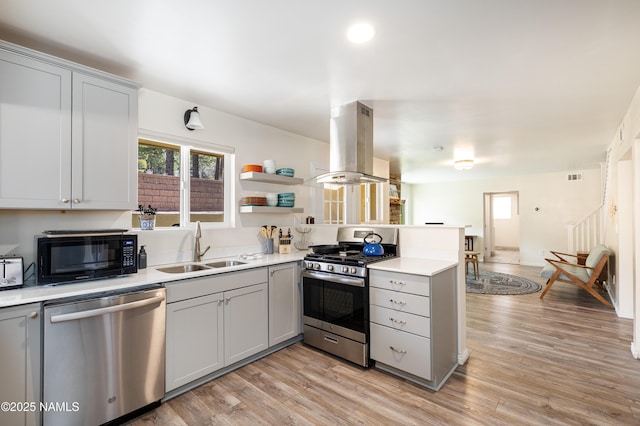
(163, 192)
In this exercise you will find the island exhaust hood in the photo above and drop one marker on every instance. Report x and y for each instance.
(350, 147)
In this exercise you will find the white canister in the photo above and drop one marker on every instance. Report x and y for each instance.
(269, 166)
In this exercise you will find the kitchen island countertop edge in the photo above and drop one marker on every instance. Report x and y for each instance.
(413, 265)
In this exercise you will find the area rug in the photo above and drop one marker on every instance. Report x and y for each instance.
(499, 283)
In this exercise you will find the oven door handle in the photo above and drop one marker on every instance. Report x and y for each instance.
(333, 278)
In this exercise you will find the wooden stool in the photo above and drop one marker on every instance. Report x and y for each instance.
(472, 257)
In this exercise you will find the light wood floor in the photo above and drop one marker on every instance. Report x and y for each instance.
(504, 256)
(561, 360)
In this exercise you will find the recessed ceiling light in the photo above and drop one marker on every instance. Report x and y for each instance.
(360, 33)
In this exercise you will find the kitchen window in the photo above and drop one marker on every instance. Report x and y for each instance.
(334, 205)
(185, 183)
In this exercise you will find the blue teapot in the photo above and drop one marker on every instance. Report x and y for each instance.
(372, 248)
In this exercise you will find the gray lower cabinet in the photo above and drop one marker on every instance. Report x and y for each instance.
(20, 353)
(413, 324)
(213, 322)
(246, 319)
(194, 339)
(284, 303)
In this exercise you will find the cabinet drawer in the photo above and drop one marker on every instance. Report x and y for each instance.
(401, 302)
(401, 350)
(406, 283)
(196, 287)
(403, 321)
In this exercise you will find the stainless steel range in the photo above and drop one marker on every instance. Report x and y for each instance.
(336, 291)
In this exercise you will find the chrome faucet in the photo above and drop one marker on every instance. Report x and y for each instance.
(197, 256)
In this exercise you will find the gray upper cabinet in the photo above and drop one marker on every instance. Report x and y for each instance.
(104, 144)
(35, 133)
(67, 135)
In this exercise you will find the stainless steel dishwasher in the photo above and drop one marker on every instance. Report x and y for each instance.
(104, 357)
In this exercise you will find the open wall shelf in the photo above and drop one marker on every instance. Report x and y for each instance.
(270, 178)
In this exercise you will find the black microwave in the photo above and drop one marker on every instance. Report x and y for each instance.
(72, 256)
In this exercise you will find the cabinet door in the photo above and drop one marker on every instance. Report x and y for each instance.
(20, 366)
(104, 139)
(246, 321)
(194, 339)
(35, 133)
(284, 303)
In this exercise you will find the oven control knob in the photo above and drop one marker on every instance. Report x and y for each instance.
(329, 267)
(345, 269)
(352, 270)
(316, 266)
(309, 265)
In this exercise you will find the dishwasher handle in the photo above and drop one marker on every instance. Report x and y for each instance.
(107, 310)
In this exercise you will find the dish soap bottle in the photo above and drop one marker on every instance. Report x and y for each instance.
(142, 258)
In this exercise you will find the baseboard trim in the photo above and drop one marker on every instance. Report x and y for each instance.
(463, 356)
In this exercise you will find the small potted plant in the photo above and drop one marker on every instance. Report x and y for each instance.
(147, 216)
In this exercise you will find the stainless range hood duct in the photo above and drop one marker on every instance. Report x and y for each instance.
(351, 146)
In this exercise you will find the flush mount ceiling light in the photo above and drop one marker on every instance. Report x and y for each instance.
(463, 164)
(360, 33)
(192, 119)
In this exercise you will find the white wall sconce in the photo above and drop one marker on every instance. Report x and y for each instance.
(192, 119)
(463, 164)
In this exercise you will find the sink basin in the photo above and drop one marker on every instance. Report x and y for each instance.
(182, 268)
(225, 263)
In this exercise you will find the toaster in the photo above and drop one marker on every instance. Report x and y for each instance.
(11, 272)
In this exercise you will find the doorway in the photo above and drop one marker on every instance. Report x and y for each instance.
(501, 227)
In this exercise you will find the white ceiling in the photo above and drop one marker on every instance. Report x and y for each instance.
(524, 86)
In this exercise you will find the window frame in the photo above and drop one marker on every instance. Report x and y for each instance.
(186, 145)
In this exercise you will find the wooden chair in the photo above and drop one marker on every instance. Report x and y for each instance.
(571, 272)
(471, 257)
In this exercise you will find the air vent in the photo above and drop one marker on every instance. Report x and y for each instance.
(574, 176)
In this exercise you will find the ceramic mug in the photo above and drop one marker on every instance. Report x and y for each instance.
(269, 166)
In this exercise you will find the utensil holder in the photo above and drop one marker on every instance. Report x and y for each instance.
(268, 246)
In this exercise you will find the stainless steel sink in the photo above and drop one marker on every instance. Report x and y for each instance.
(179, 269)
(225, 263)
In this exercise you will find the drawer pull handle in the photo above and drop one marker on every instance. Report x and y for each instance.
(400, 351)
(398, 302)
(403, 322)
(393, 282)
(331, 339)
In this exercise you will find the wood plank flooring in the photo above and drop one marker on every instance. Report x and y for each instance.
(563, 360)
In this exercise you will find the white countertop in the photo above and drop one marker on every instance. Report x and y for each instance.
(413, 265)
(150, 275)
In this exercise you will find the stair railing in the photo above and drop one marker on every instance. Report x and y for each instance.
(587, 232)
